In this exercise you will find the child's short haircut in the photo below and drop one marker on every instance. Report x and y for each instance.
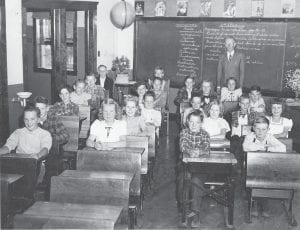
(67, 87)
(90, 74)
(159, 68)
(100, 66)
(41, 99)
(244, 96)
(196, 113)
(31, 108)
(255, 88)
(78, 81)
(157, 79)
(235, 80)
(261, 120)
(189, 77)
(131, 98)
(210, 82)
(149, 94)
(195, 94)
(216, 102)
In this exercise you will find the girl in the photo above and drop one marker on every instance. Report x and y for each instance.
(185, 93)
(232, 92)
(107, 133)
(279, 126)
(214, 124)
(135, 123)
(141, 90)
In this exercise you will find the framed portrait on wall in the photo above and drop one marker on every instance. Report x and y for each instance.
(139, 8)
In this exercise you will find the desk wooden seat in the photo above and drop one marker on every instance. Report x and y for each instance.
(217, 163)
(273, 175)
(288, 143)
(127, 160)
(91, 187)
(41, 212)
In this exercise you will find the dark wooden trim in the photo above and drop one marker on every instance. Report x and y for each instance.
(24, 42)
(58, 4)
(225, 19)
(59, 55)
(90, 41)
(4, 118)
(74, 72)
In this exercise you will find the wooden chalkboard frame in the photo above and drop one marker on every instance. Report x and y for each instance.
(212, 19)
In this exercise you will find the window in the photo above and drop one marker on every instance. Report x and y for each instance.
(43, 43)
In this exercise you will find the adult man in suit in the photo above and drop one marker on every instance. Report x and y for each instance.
(231, 64)
(103, 80)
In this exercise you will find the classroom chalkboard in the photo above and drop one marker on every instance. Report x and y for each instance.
(192, 46)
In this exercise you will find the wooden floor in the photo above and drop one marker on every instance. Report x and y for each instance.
(160, 211)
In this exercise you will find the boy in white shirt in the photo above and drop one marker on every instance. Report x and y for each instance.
(257, 103)
(79, 97)
(149, 114)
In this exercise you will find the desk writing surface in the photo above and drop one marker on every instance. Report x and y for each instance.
(88, 211)
(10, 178)
(219, 143)
(273, 170)
(216, 157)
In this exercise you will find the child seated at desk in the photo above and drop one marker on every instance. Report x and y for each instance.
(135, 123)
(141, 90)
(159, 72)
(257, 103)
(207, 95)
(279, 126)
(65, 107)
(31, 139)
(232, 92)
(149, 114)
(195, 142)
(160, 100)
(185, 93)
(261, 140)
(96, 91)
(79, 97)
(214, 124)
(108, 133)
(196, 105)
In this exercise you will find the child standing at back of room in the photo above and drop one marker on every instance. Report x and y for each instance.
(194, 142)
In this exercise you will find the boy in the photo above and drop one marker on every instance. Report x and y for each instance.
(257, 103)
(261, 140)
(149, 114)
(160, 73)
(104, 81)
(79, 97)
(59, 135)
(195, 142)
(196, 105)
(31, 139)
(160, 96)
(96, 91)
(65, 107)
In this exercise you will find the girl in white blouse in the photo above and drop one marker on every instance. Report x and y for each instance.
(232, 92)
(279, 126)
(214, 124)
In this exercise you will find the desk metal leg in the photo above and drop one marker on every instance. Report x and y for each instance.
(250, 201)
(185, 192)
(291, 216)
(230, 203)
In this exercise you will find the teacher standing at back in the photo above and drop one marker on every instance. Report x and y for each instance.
(231, 64)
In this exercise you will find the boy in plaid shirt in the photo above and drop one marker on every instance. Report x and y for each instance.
(195, 142)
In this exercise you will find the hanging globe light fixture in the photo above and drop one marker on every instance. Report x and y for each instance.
(122, 15)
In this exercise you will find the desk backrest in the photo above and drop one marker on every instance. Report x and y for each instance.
(230, 106)
(72, 125)
(150, 132)
(94, 160)
(183, 106)
(140, 142)
(273, 167)
(288, 143)
(85, 116)
(91, 187)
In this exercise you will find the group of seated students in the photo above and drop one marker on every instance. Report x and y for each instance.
(44, 133)
(204, 121)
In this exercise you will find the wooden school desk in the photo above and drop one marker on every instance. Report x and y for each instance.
(273, 175)
(66, 215)
(217, 163)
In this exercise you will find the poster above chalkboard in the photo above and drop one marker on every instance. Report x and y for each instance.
(192, 46)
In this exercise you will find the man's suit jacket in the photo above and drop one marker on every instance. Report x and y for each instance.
(108, 85)
(234, 68)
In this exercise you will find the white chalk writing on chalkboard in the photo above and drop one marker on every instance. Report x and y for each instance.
(189, 52)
